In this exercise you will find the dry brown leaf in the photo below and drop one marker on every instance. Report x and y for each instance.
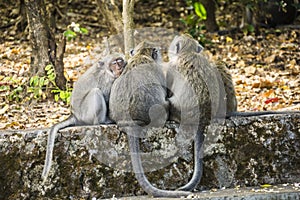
(268, 93)
(250, 70)
(270, 59)
(4, 109)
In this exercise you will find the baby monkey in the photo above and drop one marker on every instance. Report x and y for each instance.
(89, 100)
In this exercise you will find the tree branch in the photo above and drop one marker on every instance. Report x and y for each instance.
(128, 7)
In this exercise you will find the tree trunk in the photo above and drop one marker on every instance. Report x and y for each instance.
(128, 7)
(43, 43)
(21, 25)
(111, 14)
(210, 23)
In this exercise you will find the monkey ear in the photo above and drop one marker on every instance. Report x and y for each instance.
(155, 53)
(101, 63)
(177, 47)
(199, 48)
(131, 52)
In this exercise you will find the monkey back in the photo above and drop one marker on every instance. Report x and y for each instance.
(135, 92)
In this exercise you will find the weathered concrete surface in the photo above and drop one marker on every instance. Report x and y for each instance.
(277, 192)
(94, 161)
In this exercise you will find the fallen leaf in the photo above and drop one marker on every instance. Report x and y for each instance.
(265, 185)
(265, 83)
(250, 70)
(271, 100)
(256, 84)
(268, 93)
(4, 109)
(229, 39)
(270, 59)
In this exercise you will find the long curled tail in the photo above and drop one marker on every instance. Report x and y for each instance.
(198, 163)
(133, 140)
(50, 143)
(260, 113)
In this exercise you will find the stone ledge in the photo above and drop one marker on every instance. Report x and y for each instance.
(280, 192)
(93, 161)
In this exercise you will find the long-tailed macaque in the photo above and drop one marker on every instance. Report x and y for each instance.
(139, 101)
(89, 99)
(231, 101)
(192, 88)
(193, 94)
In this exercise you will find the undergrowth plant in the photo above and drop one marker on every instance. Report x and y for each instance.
(40, 85)
(11, 88)
(73, 30)
(194, 20)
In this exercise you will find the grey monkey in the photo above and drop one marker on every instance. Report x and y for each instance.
(230, 94)
(231, 101)
(139, 100)
(195, 93)
(199, 90)
(89, 100)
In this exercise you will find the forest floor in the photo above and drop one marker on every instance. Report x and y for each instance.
(265, 69)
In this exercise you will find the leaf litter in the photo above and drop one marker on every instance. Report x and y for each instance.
(265, 70)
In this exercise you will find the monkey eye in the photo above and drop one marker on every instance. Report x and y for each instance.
(118, 61)
(131, 52)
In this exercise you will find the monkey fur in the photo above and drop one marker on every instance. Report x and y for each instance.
(192, 82)
(231, 101)
(89, 100)
(139, 100)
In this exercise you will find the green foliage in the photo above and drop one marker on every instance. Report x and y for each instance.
(64, 95)
(12, 88)
(249, 28)
(39, 84)
(200, 10)
(73, 30)
(194, 21)
(36, 86)
(16, 89)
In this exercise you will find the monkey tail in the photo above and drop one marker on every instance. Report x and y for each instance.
(50, 143)
(133, 141)
(198, 163)
(257, 113)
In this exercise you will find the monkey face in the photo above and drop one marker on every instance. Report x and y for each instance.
(117, 66)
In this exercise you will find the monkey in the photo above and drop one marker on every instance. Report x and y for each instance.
(187, 70)
(89, 99)
(138, 101)
(230, 94)
(231, 101)
(193, 93)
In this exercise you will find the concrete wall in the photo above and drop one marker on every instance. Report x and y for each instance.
(93, 161)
